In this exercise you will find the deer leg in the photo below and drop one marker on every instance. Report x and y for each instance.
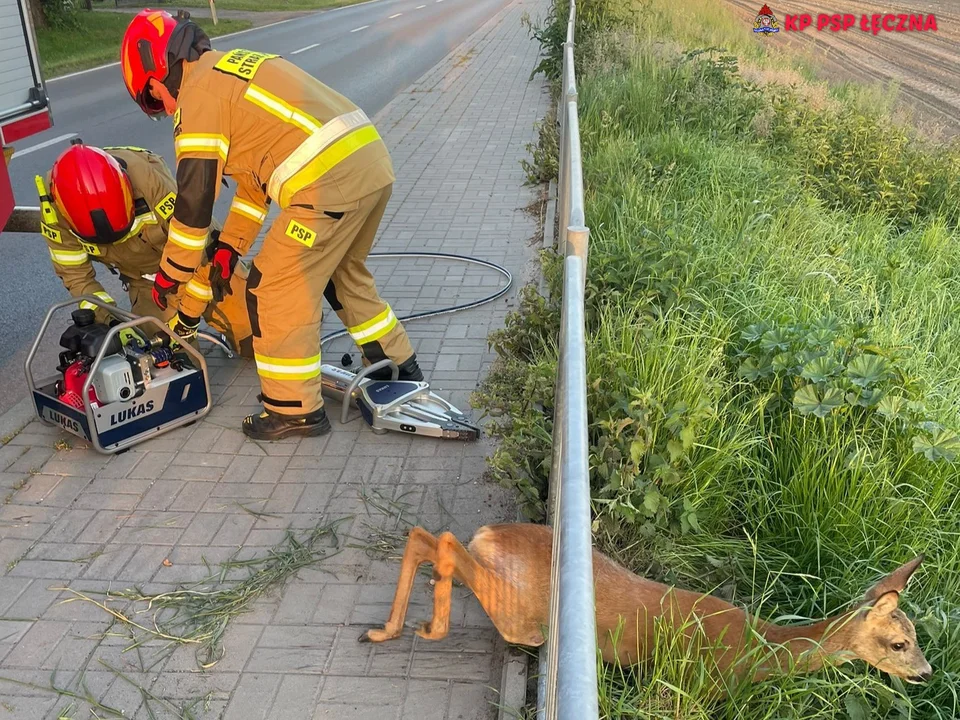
(421, 547)
(453, 560)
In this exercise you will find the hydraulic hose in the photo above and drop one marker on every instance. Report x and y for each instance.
(442, 311)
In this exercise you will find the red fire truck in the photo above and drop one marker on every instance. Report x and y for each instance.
(24, 105)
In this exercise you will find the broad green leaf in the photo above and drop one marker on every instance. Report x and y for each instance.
(865, 398)
(867, 370)
(687, 436)
(820, 338)
(892, 406)
(808, 400)
(754, 332)
(821, 369)
(651, 502)
(775, 340)
(675, 449)
(857, 709)
(941, 445)
(828, 323)
(638, 449)
(783, 363)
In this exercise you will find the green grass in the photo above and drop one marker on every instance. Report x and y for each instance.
(96, 41)
(275, 6)
(773, 304)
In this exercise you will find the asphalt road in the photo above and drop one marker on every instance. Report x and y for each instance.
(368, 52)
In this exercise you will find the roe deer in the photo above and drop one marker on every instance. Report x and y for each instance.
(508, 568)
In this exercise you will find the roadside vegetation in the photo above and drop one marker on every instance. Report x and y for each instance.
(273, 6)
(84, 40)
(773, 310)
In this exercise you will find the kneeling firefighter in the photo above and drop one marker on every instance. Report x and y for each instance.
(284, 137)
(113, 206)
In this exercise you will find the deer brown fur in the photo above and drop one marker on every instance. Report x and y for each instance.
(508, 568)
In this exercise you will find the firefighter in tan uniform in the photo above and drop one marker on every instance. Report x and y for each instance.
(287, 139)
(113, 206)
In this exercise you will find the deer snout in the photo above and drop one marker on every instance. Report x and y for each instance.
(922, 676)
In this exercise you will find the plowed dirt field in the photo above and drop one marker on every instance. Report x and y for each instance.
(926, 65)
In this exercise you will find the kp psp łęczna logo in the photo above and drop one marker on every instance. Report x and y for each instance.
(766, 23)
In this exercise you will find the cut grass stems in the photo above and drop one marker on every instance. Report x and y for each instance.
(198, 615)
(773, 383)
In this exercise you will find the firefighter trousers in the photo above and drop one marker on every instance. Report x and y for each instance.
(309, 254)
(228, 317)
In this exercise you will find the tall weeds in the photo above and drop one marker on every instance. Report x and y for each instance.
(773, 295)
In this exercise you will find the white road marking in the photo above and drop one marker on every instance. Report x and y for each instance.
(304, 49)
(420, 7)
(394, 16)
(41, 146)
(362, 27)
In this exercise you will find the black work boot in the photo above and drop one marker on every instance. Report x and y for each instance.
(273, 426)
(409, 370)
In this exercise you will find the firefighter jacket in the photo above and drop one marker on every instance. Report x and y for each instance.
(280, 134)
(138, 254)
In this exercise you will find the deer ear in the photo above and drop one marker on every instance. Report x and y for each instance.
(884, 605)
(895, 581)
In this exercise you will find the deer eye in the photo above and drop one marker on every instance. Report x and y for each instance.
(898, 646)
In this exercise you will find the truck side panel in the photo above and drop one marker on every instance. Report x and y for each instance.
(17, 74)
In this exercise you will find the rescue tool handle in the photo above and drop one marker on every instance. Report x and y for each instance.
(359, 378)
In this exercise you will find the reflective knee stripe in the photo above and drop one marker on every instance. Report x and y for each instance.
(319, 153)
(288, 368)
(282, 109)
(84, 305)
(248, 210)
(69, 258)
(188, 241)
(205, 143)
(374, 329)
(199, 290)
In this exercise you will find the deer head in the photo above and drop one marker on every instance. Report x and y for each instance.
(882, 635)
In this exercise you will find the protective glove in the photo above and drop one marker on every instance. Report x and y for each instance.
(184, 326)
(163, 285)
(221, 270)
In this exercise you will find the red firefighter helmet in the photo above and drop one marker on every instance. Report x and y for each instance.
(93, 194)
(143, 56)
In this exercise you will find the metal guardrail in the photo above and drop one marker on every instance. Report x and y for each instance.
(568, 660)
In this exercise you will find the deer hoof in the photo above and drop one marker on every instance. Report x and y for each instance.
(427, 632)
(377, 636)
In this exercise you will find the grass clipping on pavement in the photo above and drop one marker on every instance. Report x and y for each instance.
(198, 615)
(95, 38)
(773, 314)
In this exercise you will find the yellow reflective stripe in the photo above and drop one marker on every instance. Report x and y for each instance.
(210, 144)
(327, 160)
(68, 258)
(375, 328)
(47, 212)
(312, 148)
(102, 295)
(288, 368)
(252, 212)
(199, 290)
(188, 241)
(138, 222)
(282, 109)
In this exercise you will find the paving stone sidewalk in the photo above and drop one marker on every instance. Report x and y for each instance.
(153, 518)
